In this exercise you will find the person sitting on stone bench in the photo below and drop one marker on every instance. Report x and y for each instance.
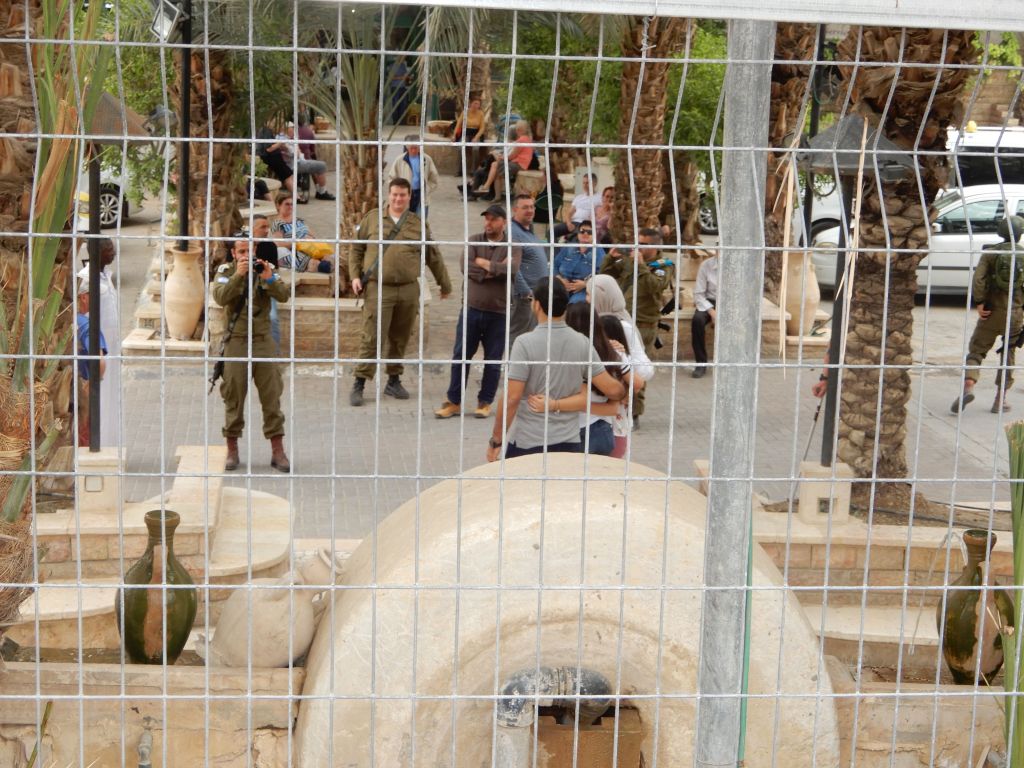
(521, 157)
(285, 160)
(296, 248)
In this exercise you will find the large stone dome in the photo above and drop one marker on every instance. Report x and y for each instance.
(543, 567)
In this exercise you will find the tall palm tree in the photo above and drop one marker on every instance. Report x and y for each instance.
(37, 180)
(221, 103)
(794, 50)
(352, 101)
(915, 102)
(642, 110)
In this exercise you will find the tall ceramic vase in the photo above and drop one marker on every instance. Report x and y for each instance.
(183, 294)
(802, 295)
(145, 600)
(973, 617)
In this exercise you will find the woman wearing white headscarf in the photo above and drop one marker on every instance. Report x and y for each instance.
(606, 296)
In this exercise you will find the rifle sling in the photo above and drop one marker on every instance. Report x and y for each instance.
(394, 231)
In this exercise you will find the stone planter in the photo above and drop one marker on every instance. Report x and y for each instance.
(183, 294)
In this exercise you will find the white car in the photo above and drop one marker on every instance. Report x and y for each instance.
(966, 221)
(113, 199)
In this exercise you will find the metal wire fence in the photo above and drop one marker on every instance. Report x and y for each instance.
(447, 385)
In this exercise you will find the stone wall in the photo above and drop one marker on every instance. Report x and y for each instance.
(208, 732)
(320, 323)
(890, 564)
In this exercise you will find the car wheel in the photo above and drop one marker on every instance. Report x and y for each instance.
(112, 206)
(819, 226)
(708, 218)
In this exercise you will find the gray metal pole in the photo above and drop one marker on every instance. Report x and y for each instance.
(185, 124)
(94, 299)
(737, 339)
(839, 300)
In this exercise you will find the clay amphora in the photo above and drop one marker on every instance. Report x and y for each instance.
(973, 617)
(143, 632)
(183, 294)
(802, 295)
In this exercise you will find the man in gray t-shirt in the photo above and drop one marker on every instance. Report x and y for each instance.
(558, 362)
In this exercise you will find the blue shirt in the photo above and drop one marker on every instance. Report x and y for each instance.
(574, 263)
(414, 164)
(534, 265)
(83, 344)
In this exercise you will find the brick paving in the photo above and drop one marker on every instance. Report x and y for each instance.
(353, 466)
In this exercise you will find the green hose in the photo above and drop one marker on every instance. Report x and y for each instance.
(745, 682)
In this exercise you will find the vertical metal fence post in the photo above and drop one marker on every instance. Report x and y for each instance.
(737, 340)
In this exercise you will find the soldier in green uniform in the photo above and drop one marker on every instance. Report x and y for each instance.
(998, 289)
(653, 276)
(385, 273)
(232, 291)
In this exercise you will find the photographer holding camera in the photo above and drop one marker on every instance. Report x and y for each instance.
(247, 300)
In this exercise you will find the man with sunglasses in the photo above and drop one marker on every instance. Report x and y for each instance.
(577, 263)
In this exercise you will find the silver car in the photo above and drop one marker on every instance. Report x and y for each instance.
(965, 222)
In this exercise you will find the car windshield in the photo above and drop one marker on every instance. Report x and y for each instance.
(947, 197)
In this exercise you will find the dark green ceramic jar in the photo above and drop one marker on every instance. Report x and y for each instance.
(973, 618)
(146, 600)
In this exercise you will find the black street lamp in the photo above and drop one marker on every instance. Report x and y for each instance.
(112, 122)
(837, 151)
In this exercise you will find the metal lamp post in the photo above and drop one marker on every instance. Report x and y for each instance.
(111, 121)
(837, 151)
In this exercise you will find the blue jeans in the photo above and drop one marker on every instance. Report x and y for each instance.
(414, 205)
(602, 439)
(482, 327)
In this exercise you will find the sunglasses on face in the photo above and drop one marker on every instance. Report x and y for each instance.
(586, 231)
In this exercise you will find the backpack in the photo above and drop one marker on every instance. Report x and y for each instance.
(1008, 268)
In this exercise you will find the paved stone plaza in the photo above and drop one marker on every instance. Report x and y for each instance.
(351, 467)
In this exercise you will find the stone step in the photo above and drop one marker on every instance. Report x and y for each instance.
(58, 606)
(253, 534)
(196, 493)
(100, 543)
(814, 347)
(251, 540)
(145, 342)
(880, 635)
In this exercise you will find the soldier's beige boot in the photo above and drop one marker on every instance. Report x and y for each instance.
(231, 462)
(1000, 404)
(966, 397)
(278, 458)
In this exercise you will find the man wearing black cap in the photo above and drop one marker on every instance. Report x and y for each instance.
(491, 266)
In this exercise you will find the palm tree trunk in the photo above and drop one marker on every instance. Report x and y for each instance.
(642, 121)
(215, 168)
(17, 174)
(925, 99)
(359, 190)
(793, 43)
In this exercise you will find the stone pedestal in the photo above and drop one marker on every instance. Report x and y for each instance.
(98, 483)
(824, 492)
(530, 182)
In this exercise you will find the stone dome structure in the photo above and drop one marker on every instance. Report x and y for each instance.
(540, 566)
